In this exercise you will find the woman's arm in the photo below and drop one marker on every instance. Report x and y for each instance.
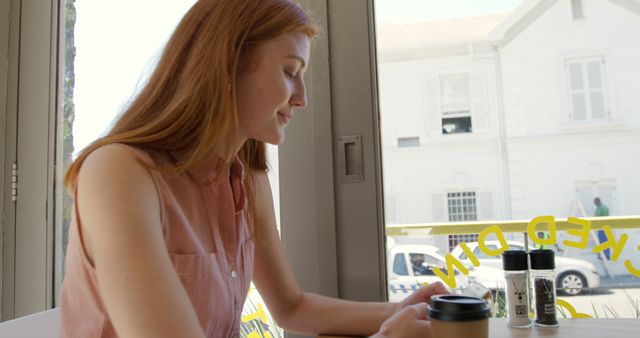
(293, 309)
(121, 227)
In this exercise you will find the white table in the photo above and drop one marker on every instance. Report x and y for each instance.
(578, 328)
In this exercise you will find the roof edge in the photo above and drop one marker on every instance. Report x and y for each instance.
(520, 18)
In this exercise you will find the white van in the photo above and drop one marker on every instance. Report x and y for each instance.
(410, 266)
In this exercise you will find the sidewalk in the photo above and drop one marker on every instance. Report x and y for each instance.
(619, 282)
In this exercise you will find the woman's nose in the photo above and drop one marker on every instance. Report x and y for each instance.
(299, 98)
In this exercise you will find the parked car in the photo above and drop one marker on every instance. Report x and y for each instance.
(573, 275)
(406, 273)
(412, 265)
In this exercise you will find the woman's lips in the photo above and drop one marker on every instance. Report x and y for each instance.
(284, 118)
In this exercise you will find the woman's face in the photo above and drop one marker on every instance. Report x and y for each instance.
(270, 86)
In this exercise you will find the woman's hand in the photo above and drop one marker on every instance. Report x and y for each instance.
(410, 318)
(423, 295)
(410, 321)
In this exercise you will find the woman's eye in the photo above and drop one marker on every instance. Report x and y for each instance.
(289, 74)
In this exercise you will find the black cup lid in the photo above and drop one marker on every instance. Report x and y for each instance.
(543, 259)
(456, 308)
(514, 260)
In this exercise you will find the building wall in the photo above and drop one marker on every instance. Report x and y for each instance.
(549, 159)
(416, 177)
(535, 83)
(403, 102)
(549, 154)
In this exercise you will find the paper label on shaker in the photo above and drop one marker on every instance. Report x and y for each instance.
(517, 299)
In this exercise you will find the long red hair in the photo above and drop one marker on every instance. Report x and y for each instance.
(188, 104)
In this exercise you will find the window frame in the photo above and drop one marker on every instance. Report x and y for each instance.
(442, 78)
(587, 90)
(28, 225)
(462, 198)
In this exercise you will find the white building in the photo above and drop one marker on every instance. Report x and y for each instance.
(516, 115)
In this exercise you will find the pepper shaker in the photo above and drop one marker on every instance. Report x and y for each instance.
(544, 289)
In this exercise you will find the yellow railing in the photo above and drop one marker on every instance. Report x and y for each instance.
(580, 228)
(457, 228)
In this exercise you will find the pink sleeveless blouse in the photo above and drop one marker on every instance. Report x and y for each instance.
(217, 282)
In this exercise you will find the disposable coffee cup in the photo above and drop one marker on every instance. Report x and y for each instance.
(459, 316)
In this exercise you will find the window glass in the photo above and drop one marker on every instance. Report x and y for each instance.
(408, 142)
(588, 89)
(577, 82)
(577, 10)
(481, 255)
(400, 266)
(595, 74)
(462, 206)
(579, 106)
(456, 239)
(512, 104)
(452, 125)
(597, 105)
(455, 94)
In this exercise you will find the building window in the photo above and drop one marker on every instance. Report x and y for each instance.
(455, 99)
(454, 240)
(462, 207)
(587, 89)
(407, 142)
(577, 9)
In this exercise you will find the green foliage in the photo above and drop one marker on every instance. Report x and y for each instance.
(595, 312)
(68, 109)
(562, 311)
(498, 304)
(634, 303)
(609, 311)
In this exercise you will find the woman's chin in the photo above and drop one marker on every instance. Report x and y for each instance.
(276, 140)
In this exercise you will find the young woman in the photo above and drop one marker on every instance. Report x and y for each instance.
(173, 214)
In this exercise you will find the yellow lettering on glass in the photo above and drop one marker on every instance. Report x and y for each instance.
(611, 243)
(503, 242)
(531, 229)
(470, 254)
(572, 310)
(450, 277)
(260, 314)
(256, 334)
(582, 233)
(632, 270)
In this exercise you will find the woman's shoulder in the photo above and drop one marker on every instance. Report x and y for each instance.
(118, 154)
(115, 164)
(113, 181)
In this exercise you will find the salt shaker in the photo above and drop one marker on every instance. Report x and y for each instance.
(544, 289)
(516, 273)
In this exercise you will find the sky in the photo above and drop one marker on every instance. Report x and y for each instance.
(407, 11)
(113, 59)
